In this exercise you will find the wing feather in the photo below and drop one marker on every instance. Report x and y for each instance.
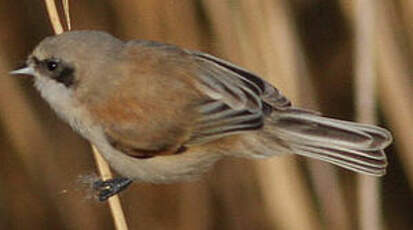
(267, 92)
(236, 99)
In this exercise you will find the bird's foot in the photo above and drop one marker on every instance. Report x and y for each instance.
(108, 188)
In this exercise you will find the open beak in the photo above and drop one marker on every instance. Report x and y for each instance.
(27, 70)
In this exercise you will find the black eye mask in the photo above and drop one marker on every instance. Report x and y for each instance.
(59, 71)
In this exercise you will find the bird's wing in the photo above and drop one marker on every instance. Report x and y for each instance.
(233, 100)
(237, 101)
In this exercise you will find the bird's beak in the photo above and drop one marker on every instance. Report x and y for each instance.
(27, 70)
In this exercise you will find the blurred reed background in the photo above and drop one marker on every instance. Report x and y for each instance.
(310, 49)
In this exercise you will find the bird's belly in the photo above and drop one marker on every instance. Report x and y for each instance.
(160, 169)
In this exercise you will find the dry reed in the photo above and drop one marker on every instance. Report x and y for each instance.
(365, 81)
(103, 167)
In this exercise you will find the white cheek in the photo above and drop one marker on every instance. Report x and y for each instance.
(63, 102)
(57, 95)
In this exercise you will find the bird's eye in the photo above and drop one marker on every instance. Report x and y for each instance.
(51, 65)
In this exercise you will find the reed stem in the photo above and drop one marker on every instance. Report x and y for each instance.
(103, 168)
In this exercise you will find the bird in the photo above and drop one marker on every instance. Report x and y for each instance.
(159, 113)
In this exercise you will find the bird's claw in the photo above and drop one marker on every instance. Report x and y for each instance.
(108, 188)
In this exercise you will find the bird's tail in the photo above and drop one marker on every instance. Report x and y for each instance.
(353, 146)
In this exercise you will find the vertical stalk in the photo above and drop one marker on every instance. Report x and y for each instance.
(365, 82)
(114, 202)
(103, 168)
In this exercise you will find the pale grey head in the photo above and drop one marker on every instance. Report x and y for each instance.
(64, 57)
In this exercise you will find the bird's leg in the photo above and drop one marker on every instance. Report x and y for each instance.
(108, 188)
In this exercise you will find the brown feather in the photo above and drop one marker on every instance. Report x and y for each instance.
(139, 119)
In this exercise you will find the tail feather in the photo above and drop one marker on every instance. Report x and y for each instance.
(348, 159)
(354, 146)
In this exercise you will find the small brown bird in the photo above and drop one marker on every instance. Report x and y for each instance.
(161, 114)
